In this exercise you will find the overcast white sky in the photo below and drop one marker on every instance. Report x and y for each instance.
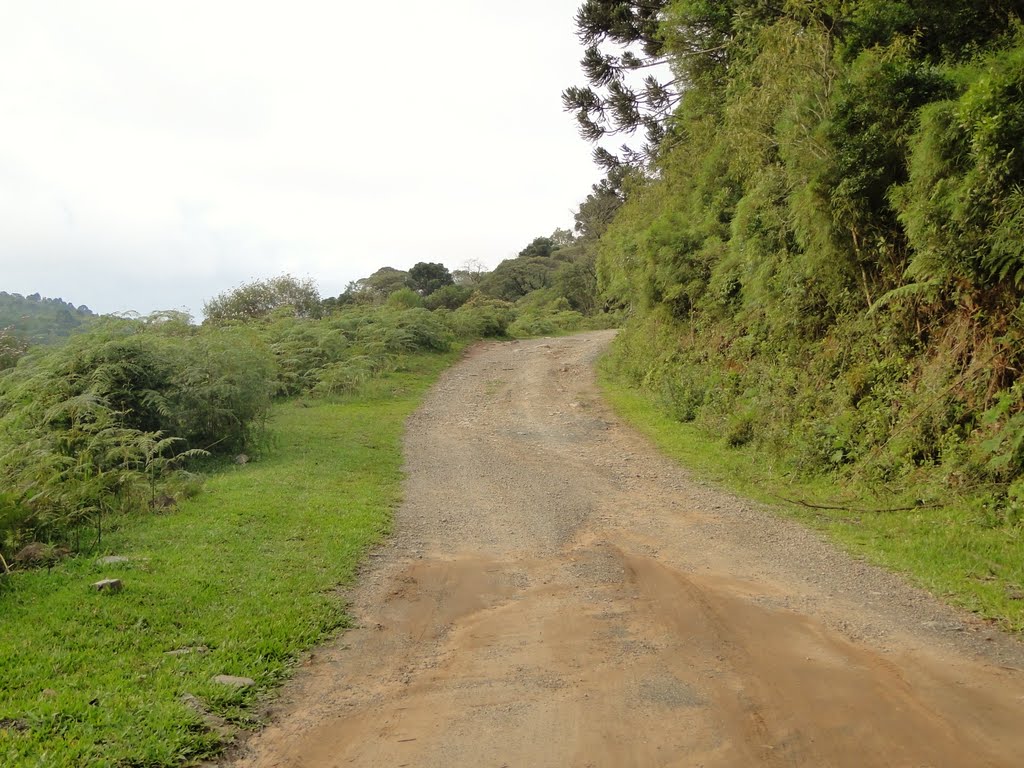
(154, 154)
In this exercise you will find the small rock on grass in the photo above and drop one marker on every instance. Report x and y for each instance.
(108, 585)
(38, 554)
(210, 720)
(234, 682)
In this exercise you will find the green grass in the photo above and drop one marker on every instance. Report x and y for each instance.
(250, 568)
(950, 550)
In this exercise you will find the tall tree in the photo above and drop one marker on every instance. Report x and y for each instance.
(562, 238)
(622, 40)
(470, 274)
(540, 246)
(380, 284)
(598, 210)
(427, 277)
(514, 278)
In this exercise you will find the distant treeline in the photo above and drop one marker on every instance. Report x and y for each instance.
(39, 320)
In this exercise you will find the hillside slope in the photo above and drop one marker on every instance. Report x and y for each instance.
(40, 320)
(826, 260)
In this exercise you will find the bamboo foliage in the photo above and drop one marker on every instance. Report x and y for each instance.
(826, 258)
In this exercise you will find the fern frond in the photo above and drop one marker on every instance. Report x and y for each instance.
(922, 290)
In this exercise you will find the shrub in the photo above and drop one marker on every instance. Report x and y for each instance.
(481, 317)
(90, 428)
(404, 298)
(262, 298)
(546, 324)
(12, 348)
(449, 297)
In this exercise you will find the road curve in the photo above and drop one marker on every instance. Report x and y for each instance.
(558, 594)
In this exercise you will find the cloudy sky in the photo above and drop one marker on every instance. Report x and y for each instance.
(154, 154)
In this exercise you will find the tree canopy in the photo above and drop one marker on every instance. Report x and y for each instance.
(512, 279)
(380, 284)
(262, 298)
(427, 277)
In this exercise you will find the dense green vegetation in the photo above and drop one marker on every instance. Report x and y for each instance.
(101, 425)
(109, 423)
(238, 580)
(823, 257)
(549, 287)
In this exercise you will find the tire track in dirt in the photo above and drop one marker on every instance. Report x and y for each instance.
(558, 594)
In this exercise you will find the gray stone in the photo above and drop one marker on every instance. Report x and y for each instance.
(241, 459)
(194, 704)
(234, 682)
(210, 720)
(108, 585)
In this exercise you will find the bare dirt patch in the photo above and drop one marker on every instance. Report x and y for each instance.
(558, 594)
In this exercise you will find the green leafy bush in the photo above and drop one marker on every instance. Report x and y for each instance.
(540, 323)
(12, 347)
(448, 297)
(91, 428)
(481, 317)
(404, 298)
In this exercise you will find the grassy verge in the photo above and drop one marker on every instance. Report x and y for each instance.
(950, 550)
(248, 571)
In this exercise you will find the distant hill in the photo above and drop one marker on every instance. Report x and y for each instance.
(40, 320)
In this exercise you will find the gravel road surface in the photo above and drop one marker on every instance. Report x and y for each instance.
(558, 594)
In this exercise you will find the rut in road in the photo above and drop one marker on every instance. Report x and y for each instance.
(558, 594)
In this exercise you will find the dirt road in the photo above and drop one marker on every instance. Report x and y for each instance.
(557, 594)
